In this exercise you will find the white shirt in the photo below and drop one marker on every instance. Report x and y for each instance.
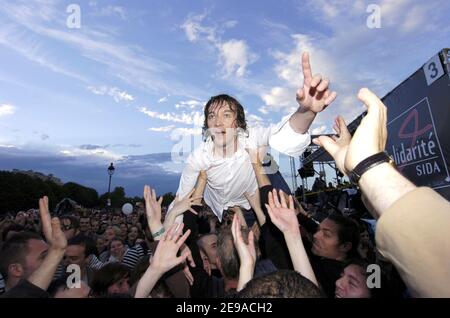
(229, 178)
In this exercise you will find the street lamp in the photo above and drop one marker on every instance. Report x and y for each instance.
(111, 170)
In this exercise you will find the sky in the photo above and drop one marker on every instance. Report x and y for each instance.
(87, 83)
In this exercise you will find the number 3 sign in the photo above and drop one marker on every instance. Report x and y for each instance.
(433, 69)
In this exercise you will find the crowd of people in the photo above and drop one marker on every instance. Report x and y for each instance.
(262, 243)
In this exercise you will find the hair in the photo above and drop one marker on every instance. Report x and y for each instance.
(160, 290)
(12, 228)
(200, 242)
(234, 105)
(227, 253)
(280, 284)
(82, 240)
(15, 249)
(348, 232)
(117, 230)
(73, 220)
(106, 276)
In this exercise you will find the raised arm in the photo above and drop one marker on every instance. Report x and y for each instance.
(246, 251)
(284, 217)
(43, 275)
(313, 97)
(163, 260)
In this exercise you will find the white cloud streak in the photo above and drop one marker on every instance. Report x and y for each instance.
(6, 109)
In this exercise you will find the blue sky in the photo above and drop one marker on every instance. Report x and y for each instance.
(129, 85)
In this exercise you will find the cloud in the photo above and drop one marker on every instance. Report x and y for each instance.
(110, 10)
(185, 134)
(162, 129)
(163, 99)
(92, 147)
(319, 130)
(195, 31)
(45, 137)
(132, 172)
(190, 104)
(32, 50)
(127, 62)
(117, 94)
(6, 109)
(193, 118)
(234, 55)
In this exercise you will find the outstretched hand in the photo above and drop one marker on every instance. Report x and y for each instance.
(152, 206)
(369, 139)
(337, 146)
(165, 257)
(282, 215)
(185, 204)
(315, 95)
(51, 227)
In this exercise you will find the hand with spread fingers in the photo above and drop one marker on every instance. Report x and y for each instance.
(282, 215)
(369, 139)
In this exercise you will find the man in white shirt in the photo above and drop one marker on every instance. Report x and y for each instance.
(223, 155)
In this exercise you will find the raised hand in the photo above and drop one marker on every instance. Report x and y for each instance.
(247, 252)
(282, 215)
(369, 139)
(337, 146)
(315, 95)
(165, 256)
(152, 206)
(51, 227)
(182, 205)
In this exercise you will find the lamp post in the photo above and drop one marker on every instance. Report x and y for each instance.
(111, 170)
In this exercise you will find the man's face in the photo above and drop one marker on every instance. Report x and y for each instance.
(95, 225)
(124, 228)
(326, 241)
(20, 218)
(100, 243)
(109, 235)
(85, 225)
(352, 283)
(75, 254)
(37, 250)
(209, 246)
(222, 124)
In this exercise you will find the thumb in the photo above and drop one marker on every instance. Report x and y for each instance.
(300, 94)
(329, 144)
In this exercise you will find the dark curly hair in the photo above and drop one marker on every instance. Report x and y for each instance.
(234, 105)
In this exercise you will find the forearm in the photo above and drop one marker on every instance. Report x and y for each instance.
(299, 257)
(301, 120)
(246, 271)
(255, 203)
(147, 282)
(261, 176)
(383, 185)
(156, 226)
(43, 275)
(199, 189)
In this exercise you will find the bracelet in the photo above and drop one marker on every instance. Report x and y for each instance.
(158, 233)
